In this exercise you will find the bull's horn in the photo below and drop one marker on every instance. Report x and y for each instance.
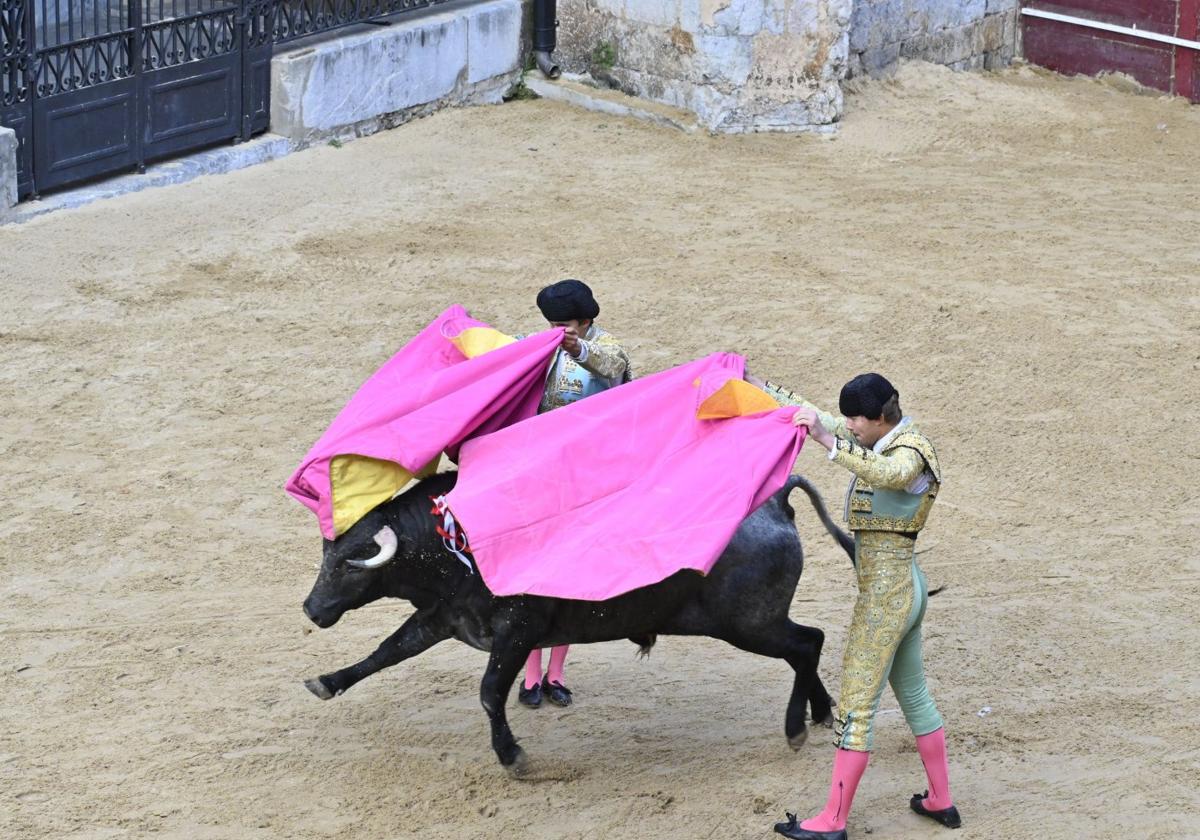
(387, 542)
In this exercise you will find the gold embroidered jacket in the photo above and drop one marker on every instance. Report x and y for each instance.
(893, 489)
(602, 364)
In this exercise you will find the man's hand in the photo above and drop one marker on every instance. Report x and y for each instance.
(572, 343)
(808, 418)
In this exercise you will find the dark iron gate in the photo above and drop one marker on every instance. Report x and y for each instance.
(16, 96)
(94, 87)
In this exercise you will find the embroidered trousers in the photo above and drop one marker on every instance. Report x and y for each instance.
(884, 642)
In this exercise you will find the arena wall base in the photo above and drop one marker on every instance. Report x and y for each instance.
(356, 82)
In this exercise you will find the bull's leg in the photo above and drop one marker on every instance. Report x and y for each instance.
(420, 632)
(800, 647)
(820, 702)
(804, 657)
(510, 649)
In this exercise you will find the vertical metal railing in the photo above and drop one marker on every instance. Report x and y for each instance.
(62, 22)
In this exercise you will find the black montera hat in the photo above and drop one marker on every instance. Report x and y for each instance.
(864, 396)
(567, 300)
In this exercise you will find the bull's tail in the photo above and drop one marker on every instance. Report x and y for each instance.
(843, 539)
(645, 644)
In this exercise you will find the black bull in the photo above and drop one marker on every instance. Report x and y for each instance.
(395, 551)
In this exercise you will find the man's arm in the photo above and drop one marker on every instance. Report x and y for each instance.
(605, 357)
(834, 424)
(894, 471)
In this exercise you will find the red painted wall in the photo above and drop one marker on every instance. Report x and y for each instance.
(1071, 49)
(1187, 62)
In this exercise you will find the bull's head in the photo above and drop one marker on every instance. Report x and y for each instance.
(351, 573)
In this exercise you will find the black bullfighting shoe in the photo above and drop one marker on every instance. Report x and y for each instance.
(531, 697)
(947, 816)
(792, 829)
(556, 692)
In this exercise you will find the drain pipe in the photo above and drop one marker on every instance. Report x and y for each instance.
(545, 13)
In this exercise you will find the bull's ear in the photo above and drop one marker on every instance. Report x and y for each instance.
(388, 542)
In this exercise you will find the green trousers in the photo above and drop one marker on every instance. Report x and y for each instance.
(884, 642)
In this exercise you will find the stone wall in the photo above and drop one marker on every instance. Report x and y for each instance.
(962, 34)
(739, 65)
(8, 172)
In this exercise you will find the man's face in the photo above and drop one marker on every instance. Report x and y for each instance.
(580, 327)
(867, 431)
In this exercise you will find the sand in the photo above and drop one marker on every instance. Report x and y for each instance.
(1018, 252)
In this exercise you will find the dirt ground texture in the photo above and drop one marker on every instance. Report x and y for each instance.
(1018, 252)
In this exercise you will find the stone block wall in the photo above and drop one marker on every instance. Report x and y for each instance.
(739, 65)
(961, 34)
(764, 65)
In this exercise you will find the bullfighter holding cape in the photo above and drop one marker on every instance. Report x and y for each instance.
(896, 477)
(676, 522)
(684, 455)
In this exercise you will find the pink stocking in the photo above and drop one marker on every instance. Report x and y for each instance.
(533, 668)
(848, 768)
(932, 748)
(558, 657)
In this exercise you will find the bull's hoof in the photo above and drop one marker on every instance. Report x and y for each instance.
(826, 721)
(799, 739)
(317, 687)
(519, 768)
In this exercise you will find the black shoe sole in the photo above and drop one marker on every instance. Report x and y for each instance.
(794, 831)
(948, 817)
(548, 694)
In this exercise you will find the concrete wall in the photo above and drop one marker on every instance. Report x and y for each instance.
(962, 34)
(371, 78)
(739, 65)
(8, 172)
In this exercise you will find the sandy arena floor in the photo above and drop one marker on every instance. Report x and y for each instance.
(1017, 252)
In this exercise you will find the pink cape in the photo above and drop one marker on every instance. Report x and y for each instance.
(427, 399)
(622, 489)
